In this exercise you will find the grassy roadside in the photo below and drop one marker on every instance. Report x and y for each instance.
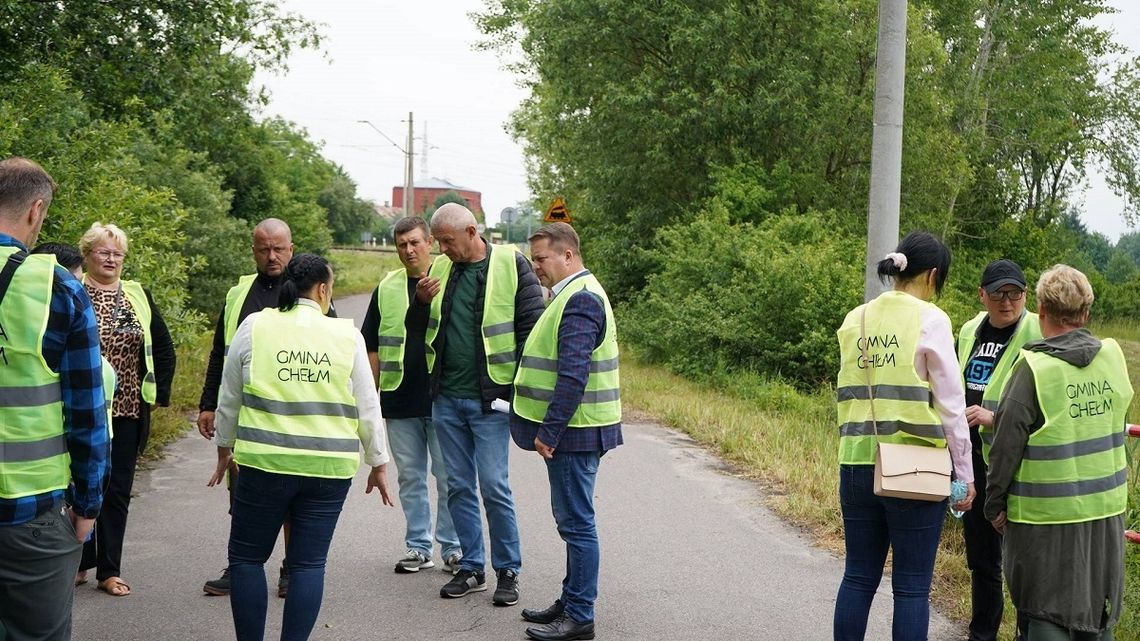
(359, 271)
(169, 423)
(787, 440)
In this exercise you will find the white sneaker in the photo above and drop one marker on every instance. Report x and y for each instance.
(414, 561)
(451, 563)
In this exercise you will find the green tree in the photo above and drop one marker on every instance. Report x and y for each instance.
(449, 196)
(348, 215)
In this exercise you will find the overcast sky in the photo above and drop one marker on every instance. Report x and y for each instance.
(383, 59)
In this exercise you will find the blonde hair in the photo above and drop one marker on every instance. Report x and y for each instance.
(100, 232)
(1065, 295)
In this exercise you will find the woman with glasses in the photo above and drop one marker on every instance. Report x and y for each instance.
(134, 338)
(988, 346)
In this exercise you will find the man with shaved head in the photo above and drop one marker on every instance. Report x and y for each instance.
(272, 249)
(484, 300)
(54, 445)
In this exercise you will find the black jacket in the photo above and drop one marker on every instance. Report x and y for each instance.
(528, 307)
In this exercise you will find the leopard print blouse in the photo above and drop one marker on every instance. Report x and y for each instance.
(121, 339)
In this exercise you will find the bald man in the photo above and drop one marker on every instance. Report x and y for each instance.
(272, 249)
(484, 299)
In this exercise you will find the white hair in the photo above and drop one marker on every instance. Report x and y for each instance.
(452, 216)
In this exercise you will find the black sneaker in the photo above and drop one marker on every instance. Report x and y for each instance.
(219, 586)
(464, 583)
(507, 591)
(283, 582)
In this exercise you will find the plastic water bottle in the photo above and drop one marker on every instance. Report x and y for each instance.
(957, 493)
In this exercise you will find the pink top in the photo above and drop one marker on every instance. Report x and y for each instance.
(936, 362)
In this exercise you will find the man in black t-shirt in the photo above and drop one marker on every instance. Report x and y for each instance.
(988, 346)
(394, 328)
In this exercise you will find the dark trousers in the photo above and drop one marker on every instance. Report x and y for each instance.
(872, 525)
(983, 557)
(261, 501)
(572, 477)
(104, 551)
(37, 574)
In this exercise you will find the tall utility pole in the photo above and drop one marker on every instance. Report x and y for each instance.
(424, 153)
(409, 182)
(886, 142)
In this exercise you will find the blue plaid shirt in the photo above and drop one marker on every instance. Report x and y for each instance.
(581, 331)
(71, 348)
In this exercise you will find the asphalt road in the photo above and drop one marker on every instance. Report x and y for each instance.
(688, 552)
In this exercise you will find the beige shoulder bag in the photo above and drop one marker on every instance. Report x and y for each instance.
(905, 471)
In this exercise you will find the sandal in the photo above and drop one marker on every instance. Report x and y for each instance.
(81, 578)
(115, 586)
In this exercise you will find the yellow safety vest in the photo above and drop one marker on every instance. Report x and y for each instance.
(538, 367)
(1028, 329)
(392, 302)
(235, 299)
(1074, 468)
(33, 450)
(904, 406)
(498, 329)
(298, 415)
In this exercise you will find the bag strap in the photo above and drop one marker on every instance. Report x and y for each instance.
(13, 262)
(867, 362)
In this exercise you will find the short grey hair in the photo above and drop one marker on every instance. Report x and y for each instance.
(453, 216)
(1065, 295)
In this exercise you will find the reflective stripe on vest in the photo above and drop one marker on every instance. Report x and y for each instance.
(1074, 468)
(1028, 329)
(392, 302)
(135, 295)
(235, 299)
(298, 415)
(33, 451)
(498, 330)
(903, 403)
(538, 367)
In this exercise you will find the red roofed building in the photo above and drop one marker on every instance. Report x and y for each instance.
(426, 191)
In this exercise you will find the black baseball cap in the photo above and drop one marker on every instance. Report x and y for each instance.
(1000, 273)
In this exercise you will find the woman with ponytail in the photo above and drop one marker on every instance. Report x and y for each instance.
(296, 403)
(898, 350)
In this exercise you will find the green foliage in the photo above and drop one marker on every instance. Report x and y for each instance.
(449, 196)
(348, 215)
(761, 298)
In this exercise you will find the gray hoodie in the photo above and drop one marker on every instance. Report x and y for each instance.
(1071, 575)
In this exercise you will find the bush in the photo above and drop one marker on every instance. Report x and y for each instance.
(764, 298)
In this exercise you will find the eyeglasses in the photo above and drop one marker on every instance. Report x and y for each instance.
(104, 254)
(1012, 295)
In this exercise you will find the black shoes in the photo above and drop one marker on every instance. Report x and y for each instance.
(464, 583)
(562, 628)
(507, 590)
(219, 586)
(283, 581)
(543, 616)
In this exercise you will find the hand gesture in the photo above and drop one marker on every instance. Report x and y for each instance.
(225, 460)
(426, 289)
(543, 449)
(978, 415)
(206, 424)
(378, 479)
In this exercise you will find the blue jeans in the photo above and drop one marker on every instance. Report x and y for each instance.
(411, 441)
(475, 447)
(261, 501)
(572, 476)
(871, 525)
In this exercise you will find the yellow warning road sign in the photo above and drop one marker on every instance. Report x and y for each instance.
(557, 212)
